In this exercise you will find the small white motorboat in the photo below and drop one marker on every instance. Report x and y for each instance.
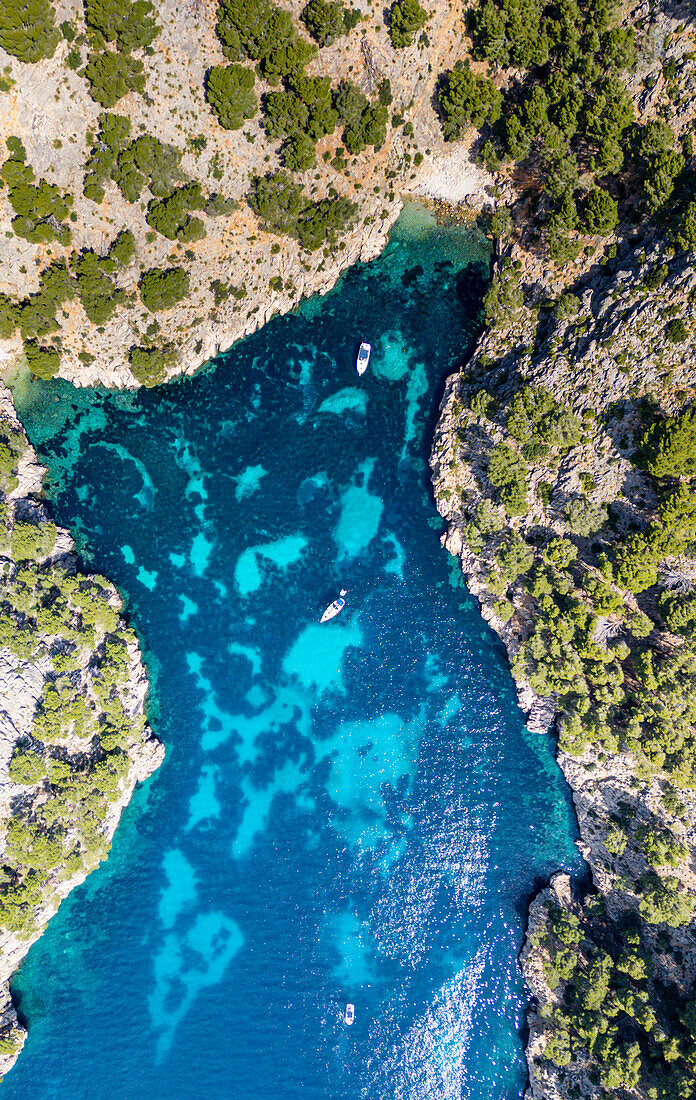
(363, 358)
(334, 608)
(350, 1014)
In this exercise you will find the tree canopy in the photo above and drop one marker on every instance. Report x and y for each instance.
(28, 30)
(230, 92)
(163, 288)
(406, 18)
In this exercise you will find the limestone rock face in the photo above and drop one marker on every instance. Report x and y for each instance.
(49, 107)
(22, 682)
(595, 362)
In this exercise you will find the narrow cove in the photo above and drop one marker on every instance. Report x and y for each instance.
(352, 812)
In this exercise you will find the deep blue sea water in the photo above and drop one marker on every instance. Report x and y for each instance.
(347, 812)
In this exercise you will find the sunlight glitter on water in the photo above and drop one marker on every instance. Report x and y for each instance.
(341, 814)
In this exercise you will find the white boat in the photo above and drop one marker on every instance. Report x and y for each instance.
(334, 608)
(363, 358)
(350, 1014)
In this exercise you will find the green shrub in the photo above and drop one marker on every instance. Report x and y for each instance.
(536, 418)
(659, 162)
(96, 290)
(112, 75)
(40, 207)
(676, 331)
(230, 92)
(669, 446)
(171, 216)
(8, 464)
(162, 289)
(280, 203)
(685, 235)
(26, 767)
(507, 470)
(514, 558)
(327, 20)
(149, 365)
(122, 248)
(665, 902)
(8, 317)
(305, 106)
(660, 847)
(407, 18)
(28, 30)
(217, 206)
(370, 129)
(132, 165)
(560, 552)
(465, 99)
(299, 153)
(42, 362)
(504, 297)
(32, 541)
(585, 516)
(130, 24)
(598, 213)
(265, 33)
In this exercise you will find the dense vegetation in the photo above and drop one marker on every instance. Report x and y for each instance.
(327, 20)
(230, 92)
(132, 164)
(116, 29)
(28, 29)
(40, 207)
(63, 790)
(406, 19)
(283, 208)
(568, 120)
(600, 590)
(162, 289)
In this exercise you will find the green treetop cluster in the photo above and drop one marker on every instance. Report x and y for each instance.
(132, 164)
(262, 32)
(308, 108)
(301, 112)
(406, 19)
(229, 89)
(87, 276)
(607, 1013)
(327, 20)
(574, 653)
(28, 29)
(282, 206)
(47, 610)
(116, 29)
(570, 116)
(40, 207)
(146, 162)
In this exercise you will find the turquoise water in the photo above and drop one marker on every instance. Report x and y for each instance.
(347, 812)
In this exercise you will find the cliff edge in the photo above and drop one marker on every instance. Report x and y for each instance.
(74, 740)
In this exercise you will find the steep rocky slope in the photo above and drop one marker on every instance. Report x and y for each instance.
(73, 737)
(48, 107)
(577, 568)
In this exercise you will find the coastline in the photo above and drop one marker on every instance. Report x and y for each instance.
(607, 785)
(23, 686)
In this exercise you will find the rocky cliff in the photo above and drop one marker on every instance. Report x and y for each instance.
(240, 274)
(564, 390)
(73, 737)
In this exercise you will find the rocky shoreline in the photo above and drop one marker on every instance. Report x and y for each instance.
(23, 686)
(611, 364)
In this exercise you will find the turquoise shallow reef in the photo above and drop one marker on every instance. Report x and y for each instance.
(348, 812)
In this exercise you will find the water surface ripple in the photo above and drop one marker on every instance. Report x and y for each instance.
(351, 812)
